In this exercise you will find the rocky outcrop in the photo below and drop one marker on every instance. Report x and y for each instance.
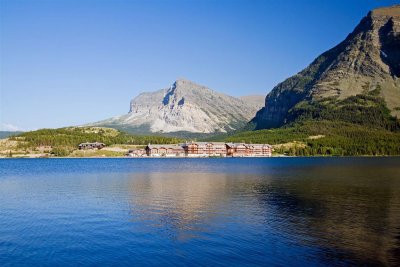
(369, 58)
(183, 107)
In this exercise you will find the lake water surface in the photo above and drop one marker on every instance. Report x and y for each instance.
(202, 212)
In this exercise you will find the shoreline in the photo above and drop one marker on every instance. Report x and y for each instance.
(247, 157)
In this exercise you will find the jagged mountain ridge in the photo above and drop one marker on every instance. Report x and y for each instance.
(183, 107)
(369, 58)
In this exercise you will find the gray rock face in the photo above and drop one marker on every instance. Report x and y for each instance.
(257, 101)
(369, 57)
(184, 107)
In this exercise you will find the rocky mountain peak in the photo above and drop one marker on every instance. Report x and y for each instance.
(184, 107)
(185, 86)
(392, 11)
(184, 83)
(369, 58)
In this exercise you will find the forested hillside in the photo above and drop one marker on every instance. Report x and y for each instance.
(346, 102)
(64, 140)
(322, 137)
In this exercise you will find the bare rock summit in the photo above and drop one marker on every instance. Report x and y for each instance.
(183, 107)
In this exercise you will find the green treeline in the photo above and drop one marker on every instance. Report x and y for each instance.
(364, 109)
(64, 140)
(357, 125)
(337, 138)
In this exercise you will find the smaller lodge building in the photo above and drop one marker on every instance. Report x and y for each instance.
(250, 150)
(165, 151)
(95, 145)
(208, 149)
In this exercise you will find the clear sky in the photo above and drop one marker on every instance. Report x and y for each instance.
(72, 62)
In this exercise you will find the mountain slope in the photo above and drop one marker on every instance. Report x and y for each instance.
(184, 107)
(368, 60)
(344, 103)
(323, 137)
(256, 101)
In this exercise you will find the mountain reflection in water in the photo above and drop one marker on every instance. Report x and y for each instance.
(226, 212)
(355, 219)
(178, 202)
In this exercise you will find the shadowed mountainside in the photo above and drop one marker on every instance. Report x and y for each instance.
(368, 60)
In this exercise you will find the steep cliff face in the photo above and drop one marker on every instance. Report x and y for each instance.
(368, 59)
(184, 107)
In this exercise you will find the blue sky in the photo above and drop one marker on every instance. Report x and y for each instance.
(72, 62)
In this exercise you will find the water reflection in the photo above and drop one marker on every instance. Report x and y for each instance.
(180, 203)
(346, 215)
(350, 213)
(226, 212)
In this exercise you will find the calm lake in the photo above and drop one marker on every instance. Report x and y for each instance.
(202, 212)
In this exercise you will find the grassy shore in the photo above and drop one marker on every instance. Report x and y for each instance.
(10, 149)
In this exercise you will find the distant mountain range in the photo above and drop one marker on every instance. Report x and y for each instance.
(357, 81)
(185, 107)
(358, 77)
